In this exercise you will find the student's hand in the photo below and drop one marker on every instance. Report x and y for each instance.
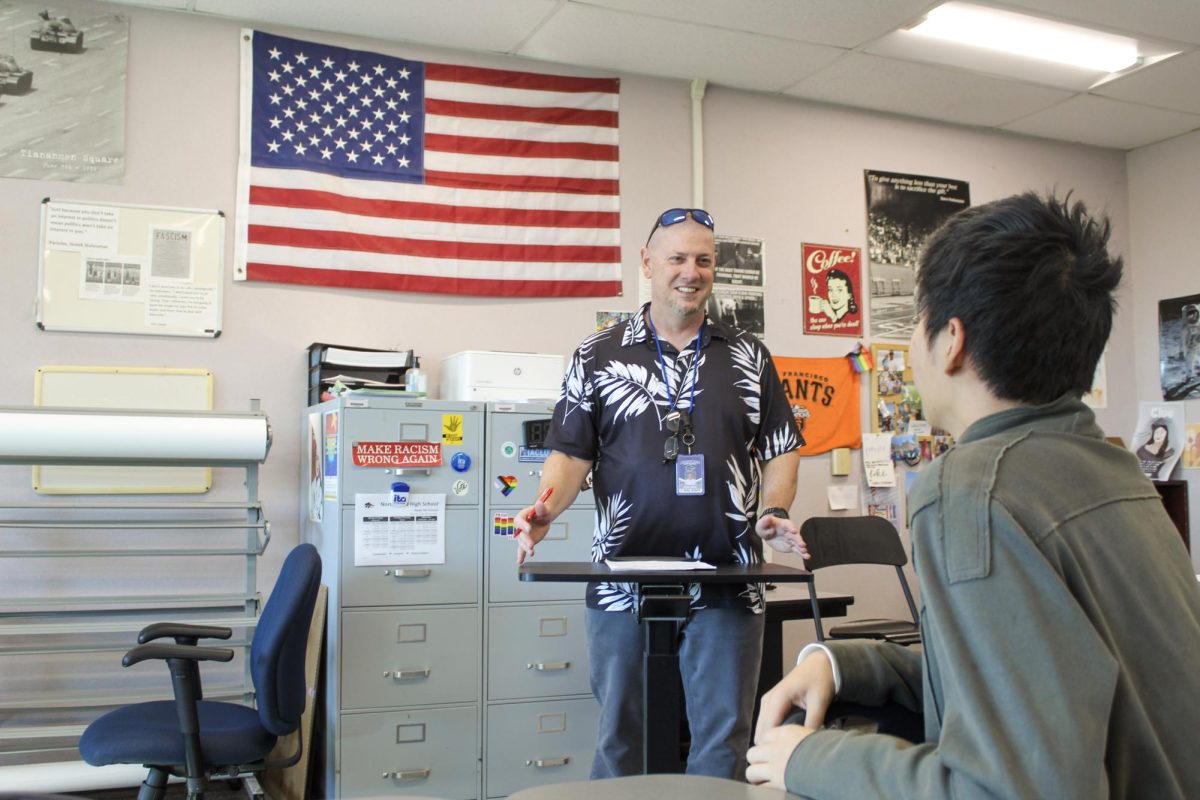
(769, 758)
(781, 534)
(809, 686)
(532, 524)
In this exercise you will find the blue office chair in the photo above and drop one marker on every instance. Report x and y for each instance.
(201, 739)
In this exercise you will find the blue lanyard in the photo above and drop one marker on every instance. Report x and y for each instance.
(662, 365)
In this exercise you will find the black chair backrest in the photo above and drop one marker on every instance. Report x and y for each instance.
(852, 540)
(280, 640)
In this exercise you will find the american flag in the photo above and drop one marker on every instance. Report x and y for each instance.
(368, 171)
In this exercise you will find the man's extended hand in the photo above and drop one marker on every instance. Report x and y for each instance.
(532, 524)
(781, 534)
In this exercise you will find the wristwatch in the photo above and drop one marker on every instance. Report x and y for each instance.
(774, 511)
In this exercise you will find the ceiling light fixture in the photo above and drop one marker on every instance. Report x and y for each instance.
(981, 38)
(1030, 37)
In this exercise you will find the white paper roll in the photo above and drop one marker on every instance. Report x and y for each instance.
(69, 776)
(39, 435)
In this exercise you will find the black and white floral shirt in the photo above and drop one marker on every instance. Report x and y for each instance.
(611, 411)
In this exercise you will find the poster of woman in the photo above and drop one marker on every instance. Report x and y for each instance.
(832, 282)
(1159, 439)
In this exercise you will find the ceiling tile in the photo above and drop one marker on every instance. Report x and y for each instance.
(841, 23)
(1173, 20)
(920, 90)
(596, 37)
(1107, 123)
(1169, 84)
(462, 24)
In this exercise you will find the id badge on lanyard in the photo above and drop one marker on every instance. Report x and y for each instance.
(689, 475)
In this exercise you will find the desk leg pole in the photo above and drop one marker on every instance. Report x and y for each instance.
(661, 698)
(770, 672)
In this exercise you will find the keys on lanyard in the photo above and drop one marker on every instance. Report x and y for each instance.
(689, 469)
(679, 423)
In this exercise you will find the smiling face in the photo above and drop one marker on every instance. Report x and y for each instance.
(679, 261)
(839, 294)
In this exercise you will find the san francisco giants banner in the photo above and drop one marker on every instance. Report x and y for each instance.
(824, 396)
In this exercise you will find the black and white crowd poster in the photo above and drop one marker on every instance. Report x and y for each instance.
(1179, 347)
(902, 210)
(62, 91)
(738, 284)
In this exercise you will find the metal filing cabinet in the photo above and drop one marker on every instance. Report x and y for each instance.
(539, 714)
(402, 704)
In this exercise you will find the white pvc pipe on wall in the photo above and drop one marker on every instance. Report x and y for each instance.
(698, 89)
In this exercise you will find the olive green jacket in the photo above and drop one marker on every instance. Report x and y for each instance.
(1060, 616)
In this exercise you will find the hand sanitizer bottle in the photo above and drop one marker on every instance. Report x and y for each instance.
(414, 378)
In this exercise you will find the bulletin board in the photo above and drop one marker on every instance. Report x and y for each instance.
(140, 388)
(896, 407)
(111, 268)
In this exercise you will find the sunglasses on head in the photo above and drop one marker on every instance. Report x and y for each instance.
(674, 216)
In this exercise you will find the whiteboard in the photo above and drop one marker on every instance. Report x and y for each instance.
(130, 388)
(111, 268)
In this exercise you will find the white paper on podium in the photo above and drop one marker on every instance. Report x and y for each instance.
(658, 566)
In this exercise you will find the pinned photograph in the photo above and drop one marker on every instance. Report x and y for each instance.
(1191, 454)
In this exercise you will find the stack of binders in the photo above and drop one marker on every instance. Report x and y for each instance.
(355, 368)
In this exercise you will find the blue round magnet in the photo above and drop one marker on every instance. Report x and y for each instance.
(460, 462)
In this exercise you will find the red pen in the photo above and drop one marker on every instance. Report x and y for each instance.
(545, 496)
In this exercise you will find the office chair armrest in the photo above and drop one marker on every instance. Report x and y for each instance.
(144, 652)
(182, 632)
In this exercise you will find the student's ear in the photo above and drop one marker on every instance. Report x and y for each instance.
(954, 341)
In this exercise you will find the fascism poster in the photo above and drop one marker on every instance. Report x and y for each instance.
(902, 210)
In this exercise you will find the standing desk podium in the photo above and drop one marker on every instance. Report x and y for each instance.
(663, 604)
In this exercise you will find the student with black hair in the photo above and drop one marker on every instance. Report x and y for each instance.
(1060, 614)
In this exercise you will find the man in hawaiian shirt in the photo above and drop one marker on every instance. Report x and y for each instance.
(685, 427)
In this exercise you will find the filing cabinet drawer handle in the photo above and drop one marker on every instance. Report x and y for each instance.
(541, 763)
(549, 666)
(410, 774)
(413, 573)
(405, 674)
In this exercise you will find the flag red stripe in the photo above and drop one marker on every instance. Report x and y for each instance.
(430, 248)
(520, 148)
(551, 115)
(422, 283)
(521, 183)
(433, 212)
(519, 80)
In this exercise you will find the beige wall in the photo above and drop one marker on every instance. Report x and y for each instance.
(777, 169)
(1164, 202)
